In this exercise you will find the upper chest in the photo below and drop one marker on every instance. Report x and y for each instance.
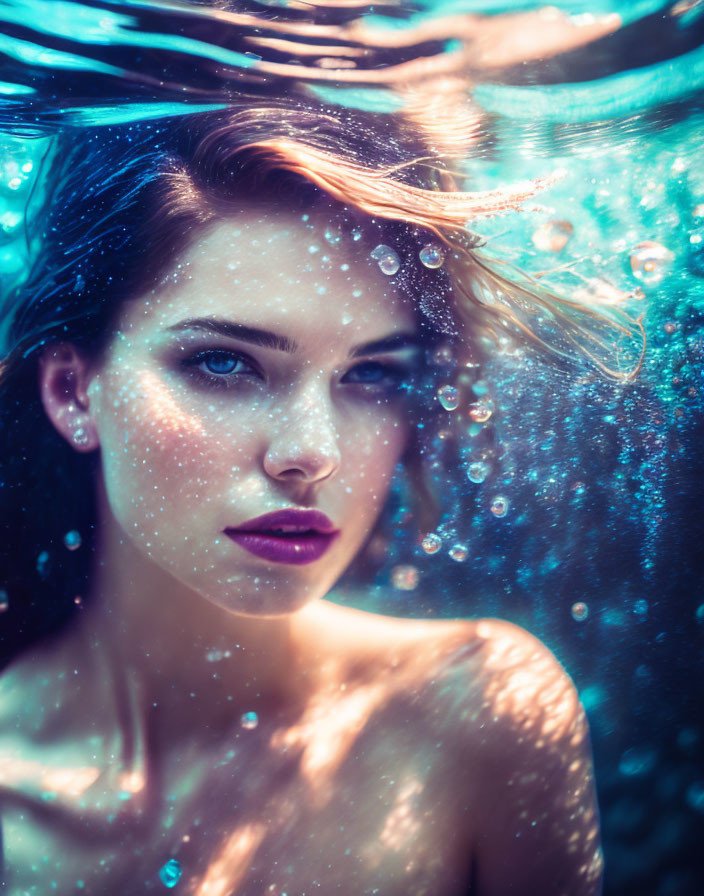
(359, 793)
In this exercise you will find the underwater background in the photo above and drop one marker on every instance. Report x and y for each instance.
(577, 509)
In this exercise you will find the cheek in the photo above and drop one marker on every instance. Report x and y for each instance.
(159, 457)
(373, 449)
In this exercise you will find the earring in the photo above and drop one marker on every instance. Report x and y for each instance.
(79, 436)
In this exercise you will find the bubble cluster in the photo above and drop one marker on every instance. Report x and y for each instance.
(499, 506)
(249, 720)
(552, 236)
(432, 543)
(432, 256)
(449, 397)
(650, 261)
(579, 611)
(387, 259)
(404, 577)
(170, 873)
(72, 540)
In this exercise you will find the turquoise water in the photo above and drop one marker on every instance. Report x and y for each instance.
(582, 521)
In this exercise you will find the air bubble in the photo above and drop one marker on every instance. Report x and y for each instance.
(637, 761)
(499, 506)
(579, 611)
(387, 259)
(404, 577)
(480, 411)
(170, 873)
(432, 256)
(458, 552)
(43, 564)
(650, 261)
(552, 236)
(72, 540)
(249, 720)
(4, 601)
(432, 543)
(449, 397)
(477, 471)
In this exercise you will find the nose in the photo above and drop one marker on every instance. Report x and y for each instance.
(304, 444)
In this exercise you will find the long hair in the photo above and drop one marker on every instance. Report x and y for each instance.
(125, 198)
(124, 201)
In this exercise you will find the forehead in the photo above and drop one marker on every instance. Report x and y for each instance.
(309, 276)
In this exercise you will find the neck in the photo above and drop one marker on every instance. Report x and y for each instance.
(196, 663)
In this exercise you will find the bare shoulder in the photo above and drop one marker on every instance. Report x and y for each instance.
(527, 766)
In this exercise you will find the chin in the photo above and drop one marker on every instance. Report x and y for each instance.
(266, 598)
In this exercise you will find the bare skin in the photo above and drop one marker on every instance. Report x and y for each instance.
(419, 757)
(207, 706)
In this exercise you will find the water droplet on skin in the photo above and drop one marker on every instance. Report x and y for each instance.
(387, 259)
(72, 540)
(449, 397)
(404, 577)
(432, 255)
(443, 355)
(170, 873)
(458, 552)
(4, 601)
(249, 720)
(552, 236)
(579, 611)
(499, 506)
(650, 261)
(333, 234)
(477, 471)
(480, 411)
(432, 543)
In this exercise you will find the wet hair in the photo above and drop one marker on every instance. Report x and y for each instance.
(123, 203)
(124, 199)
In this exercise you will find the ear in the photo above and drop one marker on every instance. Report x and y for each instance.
(63, 387)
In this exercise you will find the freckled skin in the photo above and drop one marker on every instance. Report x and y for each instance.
(183, 461)
(208, 708)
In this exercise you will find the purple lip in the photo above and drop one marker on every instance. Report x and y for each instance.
(286, 536)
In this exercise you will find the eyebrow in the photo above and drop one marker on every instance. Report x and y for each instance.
(268, 339)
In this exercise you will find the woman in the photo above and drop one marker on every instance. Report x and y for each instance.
(231, 377)
(213, 372)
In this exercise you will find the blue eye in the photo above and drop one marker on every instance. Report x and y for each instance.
(374, 373)
(220, 367)
(220, 362)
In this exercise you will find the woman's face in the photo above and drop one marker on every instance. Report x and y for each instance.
(261, 375)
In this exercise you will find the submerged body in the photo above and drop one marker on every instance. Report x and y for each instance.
(206, 714)
(392, 767)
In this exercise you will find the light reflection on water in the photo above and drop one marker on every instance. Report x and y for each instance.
(576, 512)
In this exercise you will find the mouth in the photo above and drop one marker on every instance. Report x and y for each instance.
(286, 536)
